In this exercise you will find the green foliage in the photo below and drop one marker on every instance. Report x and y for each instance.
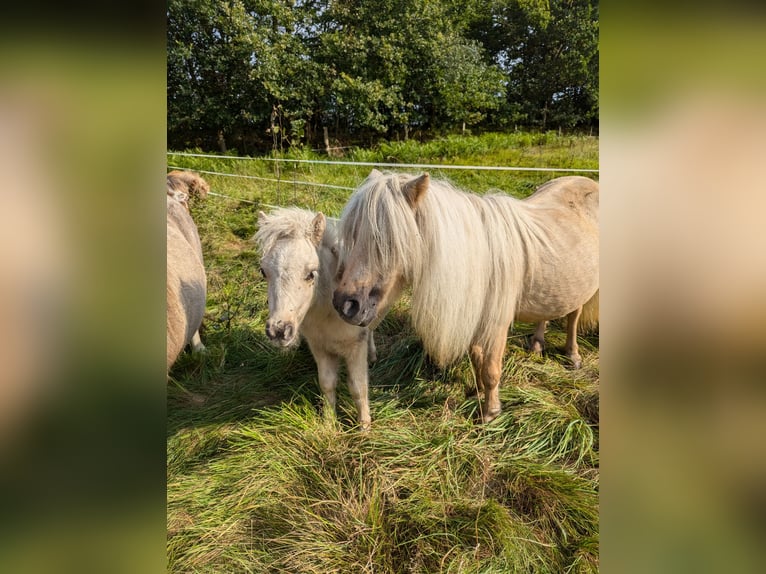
(467, 86)
(549, 52)
(260, 481)
(261, 74)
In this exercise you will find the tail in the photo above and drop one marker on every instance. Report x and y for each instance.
(589, 318)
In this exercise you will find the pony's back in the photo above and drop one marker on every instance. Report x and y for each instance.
(581, 194)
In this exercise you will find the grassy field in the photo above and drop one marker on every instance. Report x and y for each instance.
(259, 481)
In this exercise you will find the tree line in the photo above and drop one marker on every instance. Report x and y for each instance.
(264, 74)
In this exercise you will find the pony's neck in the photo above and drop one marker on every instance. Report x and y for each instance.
(328, 266)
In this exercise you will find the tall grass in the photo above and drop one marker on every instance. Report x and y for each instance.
(548, 150)
(260, 481)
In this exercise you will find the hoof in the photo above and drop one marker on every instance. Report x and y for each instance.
(490, 416)
(536, 347)
(575, 362)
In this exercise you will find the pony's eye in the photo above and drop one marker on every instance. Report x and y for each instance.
(311, 276)
(263, 273)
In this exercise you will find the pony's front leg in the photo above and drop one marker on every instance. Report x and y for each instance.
(491, 372)
(196, 343)
(572, 349)
(327, 369)
(356, 361)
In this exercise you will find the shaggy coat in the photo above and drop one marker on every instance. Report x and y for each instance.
(299, 260)
(186, 281)
(475, 263)
(183, 185)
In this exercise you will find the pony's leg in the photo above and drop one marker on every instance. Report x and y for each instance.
(492, 369)
(572, 349)
(537, 344)
(477, 362)
(327, 369)
(372, 352)
(356, 361)
(196, 343)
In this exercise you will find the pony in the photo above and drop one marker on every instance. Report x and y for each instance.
(299, 261)
(475, 264)
(186, 277)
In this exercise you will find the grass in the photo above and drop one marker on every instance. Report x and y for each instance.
(548, 150)
(260, 481)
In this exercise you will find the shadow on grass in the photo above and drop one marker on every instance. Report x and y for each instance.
(242, 373)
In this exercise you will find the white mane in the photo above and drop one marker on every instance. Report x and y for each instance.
(290, 223)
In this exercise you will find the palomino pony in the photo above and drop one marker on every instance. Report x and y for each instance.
(186, 278)
(475, 264)
(299, 259)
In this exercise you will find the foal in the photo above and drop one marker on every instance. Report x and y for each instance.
(299, 259)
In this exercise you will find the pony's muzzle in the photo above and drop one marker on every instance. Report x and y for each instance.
(281, 332)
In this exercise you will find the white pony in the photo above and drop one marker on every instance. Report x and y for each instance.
(299, 259)
(186, 278)
(475, 264)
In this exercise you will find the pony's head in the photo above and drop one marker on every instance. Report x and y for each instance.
(288, 239)
(380, 245)
(188, 181)
(182, 185)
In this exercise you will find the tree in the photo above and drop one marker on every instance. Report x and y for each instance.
(398, 64)
(210, 52)
(271, 73)
(549, 52)
(468, 87)
(232, 65)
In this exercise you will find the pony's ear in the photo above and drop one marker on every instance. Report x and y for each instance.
(375, 173)
(317, 228)
(414, 190)
(261, 217)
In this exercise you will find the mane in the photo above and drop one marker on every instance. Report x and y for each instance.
(289, 223)
(188, 182)
(465, 255)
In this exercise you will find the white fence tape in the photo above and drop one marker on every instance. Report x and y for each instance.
(383, 164)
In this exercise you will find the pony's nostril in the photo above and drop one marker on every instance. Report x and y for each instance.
(350, 307)
(288, 331)
(274, 329)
